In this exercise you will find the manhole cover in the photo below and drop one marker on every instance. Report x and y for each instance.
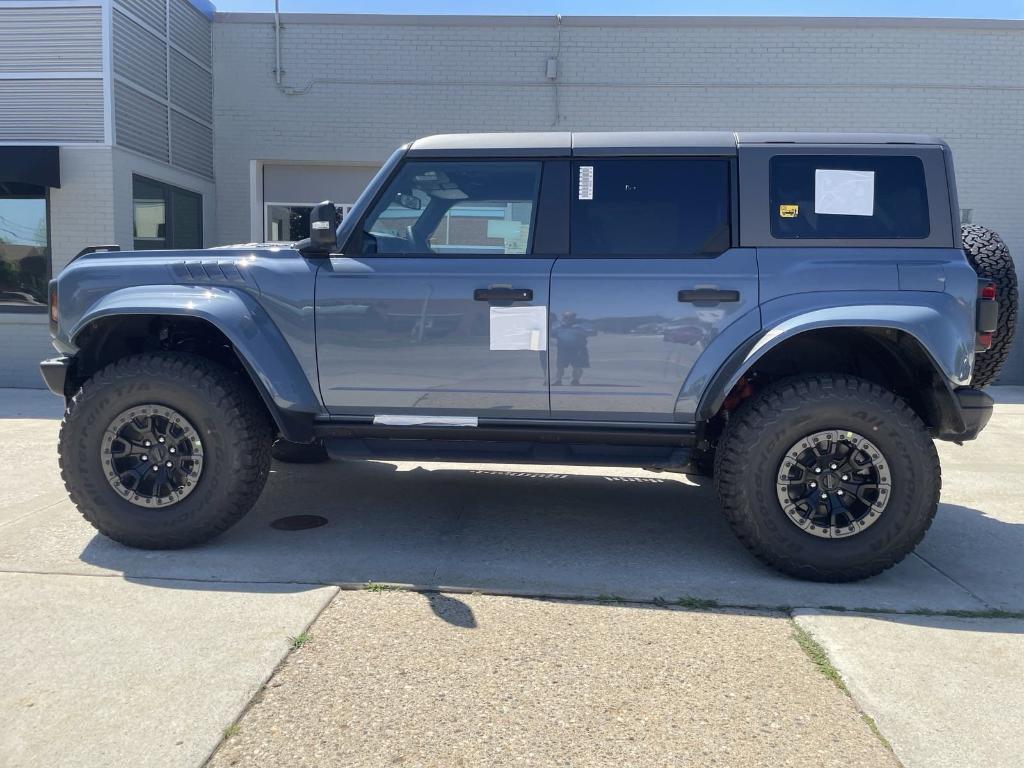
(298, 522)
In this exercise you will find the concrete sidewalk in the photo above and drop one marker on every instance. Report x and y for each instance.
(399, 678)
(114, 655)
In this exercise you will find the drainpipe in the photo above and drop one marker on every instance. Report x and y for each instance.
(277, 41)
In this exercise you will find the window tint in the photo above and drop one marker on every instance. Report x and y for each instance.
(165, 216)
(448, 207)
(24, 247)
(848, 196)
(650, 206)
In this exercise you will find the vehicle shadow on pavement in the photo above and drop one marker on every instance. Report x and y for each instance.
(561, 534)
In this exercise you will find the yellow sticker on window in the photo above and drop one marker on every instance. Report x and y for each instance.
(789, 211)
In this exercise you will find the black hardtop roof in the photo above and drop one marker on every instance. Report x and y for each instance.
(554, 143)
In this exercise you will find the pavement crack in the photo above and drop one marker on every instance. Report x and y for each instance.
(941, 572)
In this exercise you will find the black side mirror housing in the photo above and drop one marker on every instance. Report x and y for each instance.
(323, 225)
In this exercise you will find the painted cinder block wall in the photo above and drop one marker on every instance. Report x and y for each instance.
(355, 87)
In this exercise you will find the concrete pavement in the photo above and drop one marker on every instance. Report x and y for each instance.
(399, 678)
(105, 614)
(945, 691)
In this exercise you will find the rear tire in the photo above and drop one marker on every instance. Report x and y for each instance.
(220, 414)
(762, 435)
(991, 259)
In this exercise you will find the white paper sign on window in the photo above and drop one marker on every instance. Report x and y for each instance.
(848, 193)
(519, 328)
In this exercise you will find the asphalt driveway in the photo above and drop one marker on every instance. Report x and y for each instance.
(90, 627)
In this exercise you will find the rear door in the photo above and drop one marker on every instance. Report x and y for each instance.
(444, 312)
(651, 282)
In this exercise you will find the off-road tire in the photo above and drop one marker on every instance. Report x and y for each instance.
(232, 424)
(769, 423)
(991, 259)
(299, 453)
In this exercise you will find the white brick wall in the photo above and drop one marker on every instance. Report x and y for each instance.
(82, 209)
(384, 82)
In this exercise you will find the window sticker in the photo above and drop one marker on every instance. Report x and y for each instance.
(586, 182)
(847, 193)
(789, 211)
(519, 328)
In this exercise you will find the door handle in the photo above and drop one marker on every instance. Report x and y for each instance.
(503, 294)
(708, 296)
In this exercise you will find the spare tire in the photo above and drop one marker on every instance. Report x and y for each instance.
(990, 258)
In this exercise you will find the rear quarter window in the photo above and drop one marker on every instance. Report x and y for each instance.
(848, 197)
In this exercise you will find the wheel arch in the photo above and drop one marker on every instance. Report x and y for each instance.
(221, 324)
(889, 355)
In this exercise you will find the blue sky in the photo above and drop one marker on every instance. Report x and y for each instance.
(985, 9)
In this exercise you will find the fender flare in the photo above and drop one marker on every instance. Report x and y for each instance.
(932, 329)
(259, 344)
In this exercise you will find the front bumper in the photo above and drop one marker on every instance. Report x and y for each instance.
(975, 408)
(55, 373)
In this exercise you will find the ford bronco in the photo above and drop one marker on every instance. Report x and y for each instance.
(797, 315)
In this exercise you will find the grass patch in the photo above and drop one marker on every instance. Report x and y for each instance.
(873, 726)
(299, 640)
(232, 730)
(373, 586)
(816, 653)
(696, 603)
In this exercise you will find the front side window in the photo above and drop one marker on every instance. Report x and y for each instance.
(452, 207)
(848, 197)
(165, 216)
(650, 206)
(24, 246)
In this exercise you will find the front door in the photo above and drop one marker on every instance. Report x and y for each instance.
(652, 281)
(445, 311)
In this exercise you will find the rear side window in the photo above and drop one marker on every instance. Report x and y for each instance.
(848, 196)
(650, 206)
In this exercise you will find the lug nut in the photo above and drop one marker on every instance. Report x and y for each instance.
(839, 492)
(145, 457)
(160, 440)
(817, 470)
(845, 477)
(155, 467)
(830, 466)
(814, 484)
(824, 496)
(147, 443)
(172, 451)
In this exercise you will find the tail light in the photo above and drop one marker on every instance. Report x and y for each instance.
(52, 298)
(987, 315)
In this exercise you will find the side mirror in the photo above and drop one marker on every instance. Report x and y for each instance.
(322, 227)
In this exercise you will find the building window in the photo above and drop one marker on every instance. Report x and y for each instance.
(24, 246)
(165, 216)
(289, 222)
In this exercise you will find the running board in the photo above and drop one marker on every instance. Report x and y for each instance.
(667, 458)
(511, 430)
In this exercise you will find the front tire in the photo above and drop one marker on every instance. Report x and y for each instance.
(164, 450)
(838, 432)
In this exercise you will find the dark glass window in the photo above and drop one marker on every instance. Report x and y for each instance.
(887, 197)
(456, 207)
(165, 216)
(24, 246)
(648, 205)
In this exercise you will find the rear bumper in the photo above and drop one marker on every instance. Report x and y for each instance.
(975, 409)
(55, 373)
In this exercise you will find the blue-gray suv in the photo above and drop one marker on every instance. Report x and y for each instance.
(797, 315)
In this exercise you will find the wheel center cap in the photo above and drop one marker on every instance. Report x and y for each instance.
(829, 482)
